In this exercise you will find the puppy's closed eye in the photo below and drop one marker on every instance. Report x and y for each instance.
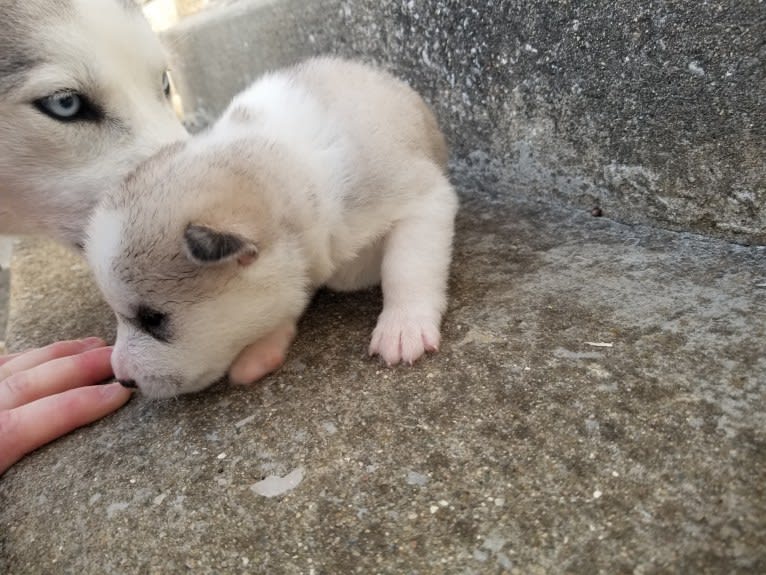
(153, 322)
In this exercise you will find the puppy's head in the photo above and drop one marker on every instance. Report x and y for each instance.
(84, 93)
(191, 255)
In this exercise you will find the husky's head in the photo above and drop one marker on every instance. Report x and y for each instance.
(83, 99)
(194, 256)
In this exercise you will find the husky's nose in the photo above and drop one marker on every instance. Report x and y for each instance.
(129, 383)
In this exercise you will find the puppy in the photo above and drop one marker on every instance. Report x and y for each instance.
(83, 99)
(331, 174)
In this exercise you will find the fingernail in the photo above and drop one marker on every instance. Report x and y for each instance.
(92, 342)
(111, 390)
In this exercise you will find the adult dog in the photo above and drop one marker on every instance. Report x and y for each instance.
(84, 92)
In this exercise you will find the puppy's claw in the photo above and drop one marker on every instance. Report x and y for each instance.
(402, 338)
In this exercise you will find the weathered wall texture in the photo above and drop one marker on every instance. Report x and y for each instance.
(656, 111)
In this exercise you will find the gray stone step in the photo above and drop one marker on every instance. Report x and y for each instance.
(653, 112)
(5, 284)
(597, 406)
(53, 297)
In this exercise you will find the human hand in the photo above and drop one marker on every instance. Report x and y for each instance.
(46, 393)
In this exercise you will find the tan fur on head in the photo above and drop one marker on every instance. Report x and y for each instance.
(145, 228)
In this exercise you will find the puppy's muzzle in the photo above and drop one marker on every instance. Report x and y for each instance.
(129, 383)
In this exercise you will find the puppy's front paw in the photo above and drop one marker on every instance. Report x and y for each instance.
(404, 337)
(262, 357)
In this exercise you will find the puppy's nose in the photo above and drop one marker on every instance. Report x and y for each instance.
(129, 383)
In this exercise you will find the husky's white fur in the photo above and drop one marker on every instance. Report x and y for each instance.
(327, 174)
(82, 101)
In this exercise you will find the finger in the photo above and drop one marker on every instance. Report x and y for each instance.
(55, 376)
(30, 426)
(37, 356)
(6, 358)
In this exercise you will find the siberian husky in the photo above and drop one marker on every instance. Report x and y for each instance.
(331, 174)
(83, 99)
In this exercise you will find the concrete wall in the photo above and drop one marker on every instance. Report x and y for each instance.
(654, 111)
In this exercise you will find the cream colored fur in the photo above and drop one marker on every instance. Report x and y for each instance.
(334, 173)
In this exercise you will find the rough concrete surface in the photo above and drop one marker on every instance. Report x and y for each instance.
(53, 297)
(597, 407)
(654, 110)
(5, 282)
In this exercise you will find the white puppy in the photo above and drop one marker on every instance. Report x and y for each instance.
(83, 99)
(327, 174)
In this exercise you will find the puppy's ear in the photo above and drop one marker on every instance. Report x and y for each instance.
(206, 246)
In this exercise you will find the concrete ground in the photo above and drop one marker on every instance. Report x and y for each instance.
(5, 284)
(597, 407)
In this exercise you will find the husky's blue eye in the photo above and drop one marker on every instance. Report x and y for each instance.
(62, 105)
(68, 106)
(166, 83)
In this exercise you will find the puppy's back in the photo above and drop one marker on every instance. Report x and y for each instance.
(382, 112)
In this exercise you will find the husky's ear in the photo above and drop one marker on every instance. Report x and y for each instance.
(206, 246)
